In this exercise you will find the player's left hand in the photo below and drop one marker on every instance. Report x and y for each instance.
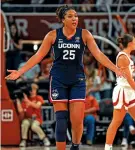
(119, 72)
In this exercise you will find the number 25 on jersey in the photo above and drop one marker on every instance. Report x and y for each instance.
(69, 54)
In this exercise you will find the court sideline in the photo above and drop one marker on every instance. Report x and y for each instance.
(82, 147)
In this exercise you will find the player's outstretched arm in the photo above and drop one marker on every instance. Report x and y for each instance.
(35, 59)
(96, 52)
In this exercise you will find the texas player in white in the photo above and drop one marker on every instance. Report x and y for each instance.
(124, 91)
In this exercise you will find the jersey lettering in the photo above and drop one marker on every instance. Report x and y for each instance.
(68, 45)
(69, 54)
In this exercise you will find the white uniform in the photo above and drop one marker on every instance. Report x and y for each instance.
(123, 93)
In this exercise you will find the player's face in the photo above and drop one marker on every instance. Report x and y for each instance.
(71, 19)
(133, 44)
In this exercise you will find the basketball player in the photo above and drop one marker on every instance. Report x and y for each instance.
(67, 79)
(124, 91)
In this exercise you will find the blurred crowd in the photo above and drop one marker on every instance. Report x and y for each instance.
(86, 5)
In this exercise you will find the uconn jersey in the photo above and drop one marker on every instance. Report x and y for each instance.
(68, 57)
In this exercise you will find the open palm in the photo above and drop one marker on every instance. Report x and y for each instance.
(14, 74)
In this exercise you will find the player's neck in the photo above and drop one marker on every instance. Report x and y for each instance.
(127, 51)
(68, 32)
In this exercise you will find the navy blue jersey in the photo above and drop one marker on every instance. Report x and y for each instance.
(68, 57)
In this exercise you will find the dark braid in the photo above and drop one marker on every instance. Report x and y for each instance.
(61, 11)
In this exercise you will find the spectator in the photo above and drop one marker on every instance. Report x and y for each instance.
(65, 1)
(86, 6)
(30, 114)
(131, 28)
(11, 20)
(88, 59)
(13, 55)
(91, 108)
(102, 5)
(45, 68)
(107, 79)
(93, 81)
(32, 74)
(128, 128)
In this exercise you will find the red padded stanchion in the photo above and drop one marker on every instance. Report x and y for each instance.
(10, 125)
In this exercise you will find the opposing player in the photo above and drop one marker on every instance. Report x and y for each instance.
(124, 91)
(67, 79)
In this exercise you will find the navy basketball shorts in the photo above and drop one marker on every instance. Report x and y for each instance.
(60, 92)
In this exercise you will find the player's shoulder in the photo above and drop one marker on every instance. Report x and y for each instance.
(51, 36)
(52, 33)
(123, 60)
(123, 57)
(86, 32)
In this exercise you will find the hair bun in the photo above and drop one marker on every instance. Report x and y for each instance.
(120, 40)
(125, 39)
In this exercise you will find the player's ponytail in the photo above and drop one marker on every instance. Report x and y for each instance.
(124, 40)
(61, 11)
(119, 40)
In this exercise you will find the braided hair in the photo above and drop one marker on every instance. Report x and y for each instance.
(61, 11)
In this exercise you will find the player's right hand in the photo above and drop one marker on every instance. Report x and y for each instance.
(14, 74)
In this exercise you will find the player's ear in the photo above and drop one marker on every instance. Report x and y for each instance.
(133, 44)
(63, 21)
(130, 44)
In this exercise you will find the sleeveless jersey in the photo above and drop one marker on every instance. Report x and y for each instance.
(68, 57)
(121, 80)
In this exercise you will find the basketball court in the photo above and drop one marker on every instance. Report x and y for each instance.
(82, 147)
